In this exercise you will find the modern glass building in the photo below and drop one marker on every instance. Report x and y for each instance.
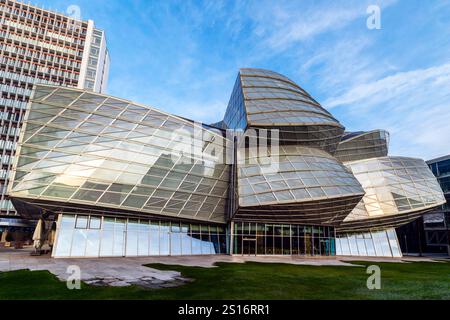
(277, 176)
(430, 234)
(437, 224)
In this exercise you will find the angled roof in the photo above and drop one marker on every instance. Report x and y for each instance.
(273, 99)
(269, 100)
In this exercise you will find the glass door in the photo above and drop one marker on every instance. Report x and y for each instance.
(249, 246)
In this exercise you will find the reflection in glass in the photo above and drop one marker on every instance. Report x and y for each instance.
(107, 243)
(164, 239)
(186, 245)
(197, 244)
(382, 243)
(154, 243)
(78, 243)
(206, 246)
(119, 238)
(63, 245)
(175, 243)
(133, 237)
(282, 239)
(92, 243)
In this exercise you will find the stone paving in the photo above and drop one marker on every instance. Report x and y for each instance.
(117, 272)
(131, 271)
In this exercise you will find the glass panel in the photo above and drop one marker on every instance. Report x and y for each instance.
(143, 243)
(154, 238)
(107, 243)
(65, 234)
(135, 201)
(361, 246)
(119, 238)
(325, 246)
(394, 243)
(67, 222)
(175, 243)
(79, 243)
(338, 247)
(132, 238)
(164, 239)
(206, 244)
(308, 242)
(353, 245)
(196, 244)
(385, 244)
(377, 244)
(112, 198)
(345, 246)
(82, 222)
(286, 245)
(301, 246)
(186, 246)
(316, 242)
(332, 246)
(94, 223)
(87, 195)
(278, 245)
(93, 243)
(215, 244)
(369, 245)
(295, 244)
(260, 245)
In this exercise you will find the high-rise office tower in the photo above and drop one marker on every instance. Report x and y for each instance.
(40, 46)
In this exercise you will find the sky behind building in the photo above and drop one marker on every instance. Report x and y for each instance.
(183, 57)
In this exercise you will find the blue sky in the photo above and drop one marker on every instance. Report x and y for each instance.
(183, 57)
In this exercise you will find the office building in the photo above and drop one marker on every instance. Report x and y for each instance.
(279, 175)
(40, 46)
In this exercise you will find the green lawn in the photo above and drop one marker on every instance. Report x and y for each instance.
(424, 280)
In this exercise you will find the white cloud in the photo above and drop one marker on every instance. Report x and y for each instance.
(414, 106)
(310, 25)
(340, 65)
(392, 86)
(288, 23)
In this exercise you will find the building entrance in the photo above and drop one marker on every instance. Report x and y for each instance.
(251, 238)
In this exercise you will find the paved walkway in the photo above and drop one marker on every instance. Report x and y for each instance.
(108, 271)
(128, 271)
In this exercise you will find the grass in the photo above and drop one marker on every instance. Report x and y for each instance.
(418, 280)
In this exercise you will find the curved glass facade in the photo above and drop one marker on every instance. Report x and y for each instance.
(91, 149)
(303, 174)
(266, 99)
(123, 179)
(396, 188)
